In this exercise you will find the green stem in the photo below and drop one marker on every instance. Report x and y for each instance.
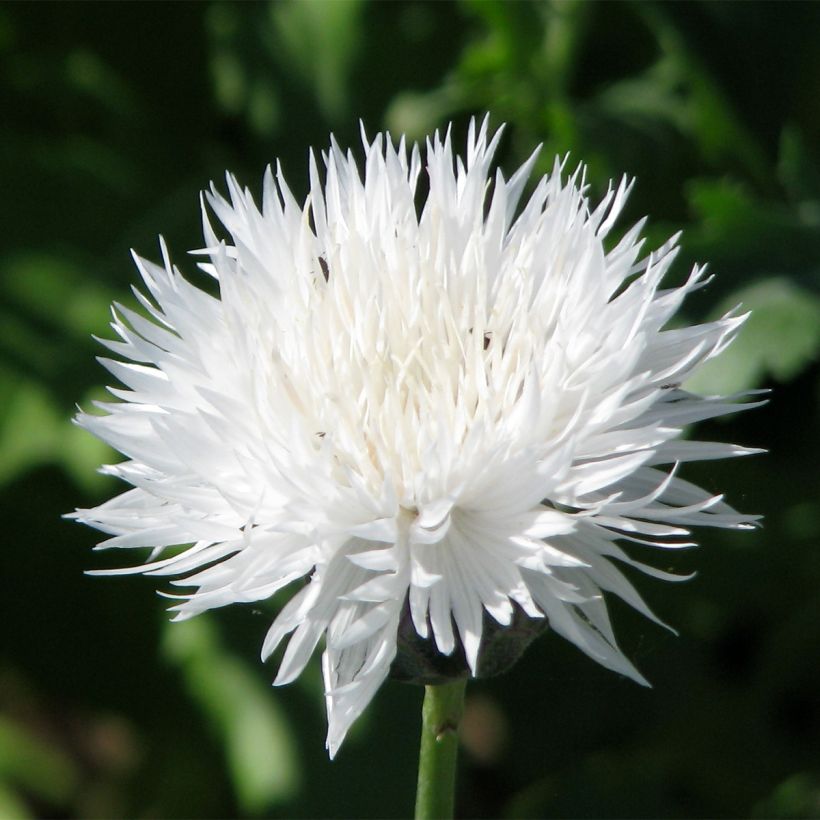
(440, 719)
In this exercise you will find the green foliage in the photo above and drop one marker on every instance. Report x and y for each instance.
(31, 763)
(780, 338)
(116, 115)
(797, 797)
(321, 41)
(257, 737)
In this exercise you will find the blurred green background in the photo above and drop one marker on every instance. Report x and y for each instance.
(114, 116)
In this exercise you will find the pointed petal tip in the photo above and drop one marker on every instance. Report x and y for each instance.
(332, 748)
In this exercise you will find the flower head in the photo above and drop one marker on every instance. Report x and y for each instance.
(436, 417)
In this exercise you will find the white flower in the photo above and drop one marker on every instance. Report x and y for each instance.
(462, 411)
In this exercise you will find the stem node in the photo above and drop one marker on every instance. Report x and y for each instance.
(441, 716)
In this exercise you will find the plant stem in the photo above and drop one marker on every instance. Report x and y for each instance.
(440, 719)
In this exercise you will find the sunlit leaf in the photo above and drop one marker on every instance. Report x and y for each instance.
(257, 737)
(11, 806)
(52, 289)
(780, 338)
(34, 431)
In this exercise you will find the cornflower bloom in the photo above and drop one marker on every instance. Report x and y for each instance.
(435, 420)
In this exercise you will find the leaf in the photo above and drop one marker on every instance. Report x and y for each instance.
(34, 431)
(34, 765)
(779, 339)
(56, 293)
(257, 737)
(321, 41)
(797, 169)
(798, 796)
(11, 806)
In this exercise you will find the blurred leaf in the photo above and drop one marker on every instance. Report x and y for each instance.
(802, 520)
(28, 427)
(779, 339)
(416, 114)
(11, 807)
(744, 236)
(229, 80)
(242, 78)
(320, 39)
(519, 68)
(34, 765)
(626, 783)
(52, 301)
(259, 742)
(90, 75)
(51, 289)
(676, 93)
(710, 116)
(797, 169)
(80, 454)
(797, 797)
(34, 431)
